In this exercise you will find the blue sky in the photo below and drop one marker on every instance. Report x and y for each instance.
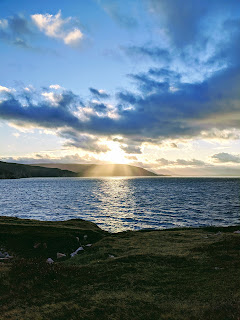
(153, 83)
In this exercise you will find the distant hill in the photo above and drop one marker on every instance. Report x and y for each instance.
(101, 170)
(15, 171)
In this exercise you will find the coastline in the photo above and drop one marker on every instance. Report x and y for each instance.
(187, 273)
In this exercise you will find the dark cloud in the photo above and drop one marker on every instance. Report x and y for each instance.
(185, 21)
(131, 149)
(147, 84)
(127, 97)
(16, 30)
(214, 103)
(224, 157)
(99, 93)
(19, 25)
(165, 74)
(99, 107)
(82, 141)
(154, 53)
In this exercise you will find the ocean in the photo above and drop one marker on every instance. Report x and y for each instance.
(123, 203)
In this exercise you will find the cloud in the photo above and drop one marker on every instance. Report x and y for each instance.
(131, 149)
(16, 30)
(99, 93)
(55, 86)
(5, 89)
(165, 74)
(162, 113)
(119, 13)
(182, 162)
(154, 53)
(98, 106)
(83, 141)
(224, 157)
(54, 26)
(186, 23)
(147, 84)
(48, 158)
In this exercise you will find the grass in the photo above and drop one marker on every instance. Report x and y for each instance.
(169, 274)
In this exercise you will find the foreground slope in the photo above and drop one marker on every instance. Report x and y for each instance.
(169, 274)
(14, 171)
(101, 170)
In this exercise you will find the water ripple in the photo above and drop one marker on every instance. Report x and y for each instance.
(125, 203)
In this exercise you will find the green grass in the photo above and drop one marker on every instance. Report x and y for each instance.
(170, 274)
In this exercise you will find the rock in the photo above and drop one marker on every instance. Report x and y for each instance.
(73, 254)
(60, 255)
(2, 255)
(76, 252)
(88, 245)
(85, 237)
(237, 232)
(218, 233)
(111, 256)
(8, 256)
(50, 261)
(77, 239)
(36, 245)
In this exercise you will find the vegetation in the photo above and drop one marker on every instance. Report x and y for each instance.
(101, 170)
(15, 171)
(169, 274)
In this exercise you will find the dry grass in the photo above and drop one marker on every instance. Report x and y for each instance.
(171, 274)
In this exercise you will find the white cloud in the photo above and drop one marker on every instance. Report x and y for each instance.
(55, 26)
(3, 24)
(55, 86)
(52, 97)
(5, 89)
(73, 37)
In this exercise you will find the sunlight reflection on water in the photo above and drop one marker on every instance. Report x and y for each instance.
(118, 204)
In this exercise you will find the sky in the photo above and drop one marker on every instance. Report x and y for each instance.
(152, 83)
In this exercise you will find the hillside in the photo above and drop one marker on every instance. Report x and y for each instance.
(145, 275)
(103, 170)
(15, 171)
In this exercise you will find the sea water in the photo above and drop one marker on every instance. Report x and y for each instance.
(119, 204)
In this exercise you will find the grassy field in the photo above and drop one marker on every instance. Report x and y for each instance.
(169, 274)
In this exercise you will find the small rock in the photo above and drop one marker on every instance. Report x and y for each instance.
(50, 261)
(85, 237)
(111, 256)
(2, 255)
(36, 245)
(88, 245)
(237, 232)
(75, 252)
(218, 233)
(8, 256)
(60, 255)
(77, 239)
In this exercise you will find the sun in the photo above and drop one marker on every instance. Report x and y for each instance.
(115, 155)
